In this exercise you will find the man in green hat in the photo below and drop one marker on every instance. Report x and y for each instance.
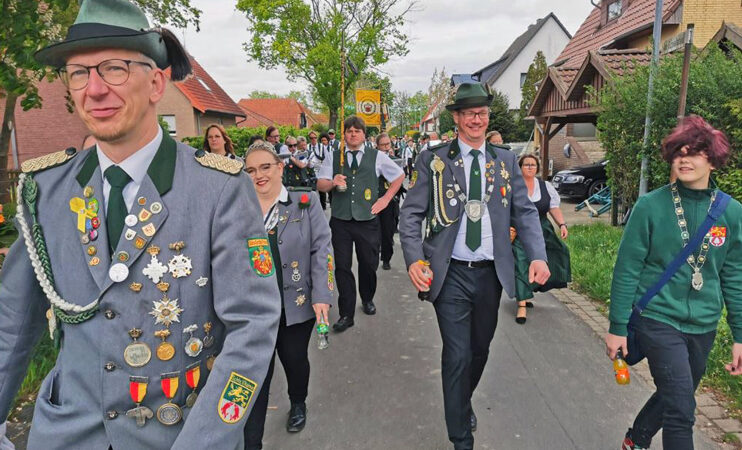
(142, 274)
(468, 193)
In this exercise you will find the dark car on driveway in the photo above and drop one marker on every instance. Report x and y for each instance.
(581, 182)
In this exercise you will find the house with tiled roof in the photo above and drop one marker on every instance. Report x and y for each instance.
(190, 106)
(264, 112)
(508, 73)
(612, 42)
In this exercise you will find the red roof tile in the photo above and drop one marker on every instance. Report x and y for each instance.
(591, 36)
(276, 111)
(205, 94)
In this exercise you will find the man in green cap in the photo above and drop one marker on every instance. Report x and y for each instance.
(468, 193)
(161, 293)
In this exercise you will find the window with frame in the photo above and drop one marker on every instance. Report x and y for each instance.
(523, 76)
(614, 9)
(170, 121)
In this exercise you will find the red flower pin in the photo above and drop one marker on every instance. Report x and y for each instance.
(304, 201)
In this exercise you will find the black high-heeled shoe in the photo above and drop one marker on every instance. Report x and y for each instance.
(521, 319)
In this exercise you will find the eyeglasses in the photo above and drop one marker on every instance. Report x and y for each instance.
(291, 145)
(274, 136)
(113, 71)
(468, 115)
(530, 165)
(263, 169)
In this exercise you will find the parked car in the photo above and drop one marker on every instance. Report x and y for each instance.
(581, 182)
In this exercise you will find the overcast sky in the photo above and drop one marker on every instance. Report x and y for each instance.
(460, 35)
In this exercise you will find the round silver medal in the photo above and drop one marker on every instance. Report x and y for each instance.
(191, 399)
(118, 272)
(155, 208)
(453, 202)
(137, 354)
(169, 414)
(131, 220)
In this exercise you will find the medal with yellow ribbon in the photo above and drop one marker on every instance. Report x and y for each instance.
(169, 413)
(193, 375)
(138, 390)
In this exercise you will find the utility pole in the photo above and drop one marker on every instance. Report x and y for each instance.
(686, 72)
(657, 37)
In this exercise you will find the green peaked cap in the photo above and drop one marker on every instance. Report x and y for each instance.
(103, 24)
(470, 95)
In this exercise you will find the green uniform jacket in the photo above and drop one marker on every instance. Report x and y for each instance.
(652, 239)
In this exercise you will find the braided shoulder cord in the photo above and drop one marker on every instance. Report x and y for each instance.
(27, 192)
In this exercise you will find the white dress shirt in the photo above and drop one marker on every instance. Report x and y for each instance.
(486, 250)
(555, 200)
(385, 167)
(135, 166)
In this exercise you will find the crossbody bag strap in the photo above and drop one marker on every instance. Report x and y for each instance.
(717, 209)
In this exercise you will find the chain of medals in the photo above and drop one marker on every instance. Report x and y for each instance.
(474, 209)
(27, 191)
(696, 263)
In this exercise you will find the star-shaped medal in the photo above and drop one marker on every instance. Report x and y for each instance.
(155, 270)
(166, 311)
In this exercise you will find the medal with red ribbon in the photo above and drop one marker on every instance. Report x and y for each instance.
(193, 375)
(138, 390)
(169, 413)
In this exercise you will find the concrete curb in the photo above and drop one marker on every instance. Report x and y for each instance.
(712, 417)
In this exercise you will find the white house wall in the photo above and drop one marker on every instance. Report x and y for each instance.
(551, 40)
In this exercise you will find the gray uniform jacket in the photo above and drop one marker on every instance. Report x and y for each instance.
(304, 241)
(438, 247)
(82, 403)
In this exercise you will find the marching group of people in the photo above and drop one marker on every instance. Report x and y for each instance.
(241, 263)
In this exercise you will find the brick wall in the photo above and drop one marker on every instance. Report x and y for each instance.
(707, 16)
(46, 130)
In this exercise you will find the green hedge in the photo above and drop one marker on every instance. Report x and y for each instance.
(714, 93)
(241, 136)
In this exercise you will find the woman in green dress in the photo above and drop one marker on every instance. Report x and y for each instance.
(546, 199)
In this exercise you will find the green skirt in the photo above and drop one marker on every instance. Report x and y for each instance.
(558, 254)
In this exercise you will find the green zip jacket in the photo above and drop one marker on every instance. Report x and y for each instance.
(651, 240)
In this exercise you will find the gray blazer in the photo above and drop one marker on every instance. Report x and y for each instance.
(304, 241)
(438, 247)
(83, 401)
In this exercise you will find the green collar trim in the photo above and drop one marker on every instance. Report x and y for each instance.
(161, 170)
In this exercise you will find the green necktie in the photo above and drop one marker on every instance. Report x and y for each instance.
(354, 164)
(474, 229)
(116, 211)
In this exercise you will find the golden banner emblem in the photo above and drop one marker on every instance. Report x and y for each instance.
(368, 106)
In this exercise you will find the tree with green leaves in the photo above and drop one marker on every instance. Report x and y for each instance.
(408, 109)
(306, 40)
(536, 73)
(501, 119)
(27, 26)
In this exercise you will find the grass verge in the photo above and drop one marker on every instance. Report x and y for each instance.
(593, 249)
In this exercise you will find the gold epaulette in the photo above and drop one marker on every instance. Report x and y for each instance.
(48, 161)
(219, 162)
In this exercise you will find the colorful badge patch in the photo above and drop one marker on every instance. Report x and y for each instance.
(330, 275)
(367, 194)
(235, 398)
(260, 256)
(718, 236)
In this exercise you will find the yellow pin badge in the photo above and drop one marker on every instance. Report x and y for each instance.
(236, 398)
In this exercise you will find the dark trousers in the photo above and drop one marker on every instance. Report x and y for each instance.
(291, 345)
(365, 236)
(388, 223)
(467, 317)
(322, 199)
(677, 362)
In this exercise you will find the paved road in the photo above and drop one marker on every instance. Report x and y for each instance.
(547, 385)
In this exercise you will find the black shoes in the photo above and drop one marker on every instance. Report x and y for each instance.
(386, 266)
(473, 422)
(343, 324)
(297, 417)
(369, 308)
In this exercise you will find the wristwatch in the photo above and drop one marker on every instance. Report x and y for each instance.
(562, 225)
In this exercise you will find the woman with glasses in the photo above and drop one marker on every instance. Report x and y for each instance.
(216, 140)
(273, 136)
(299, 237)
(546, 199)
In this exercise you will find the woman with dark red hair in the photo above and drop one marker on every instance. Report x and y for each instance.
(676, 329)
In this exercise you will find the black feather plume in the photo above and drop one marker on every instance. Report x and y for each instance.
(180, 64)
